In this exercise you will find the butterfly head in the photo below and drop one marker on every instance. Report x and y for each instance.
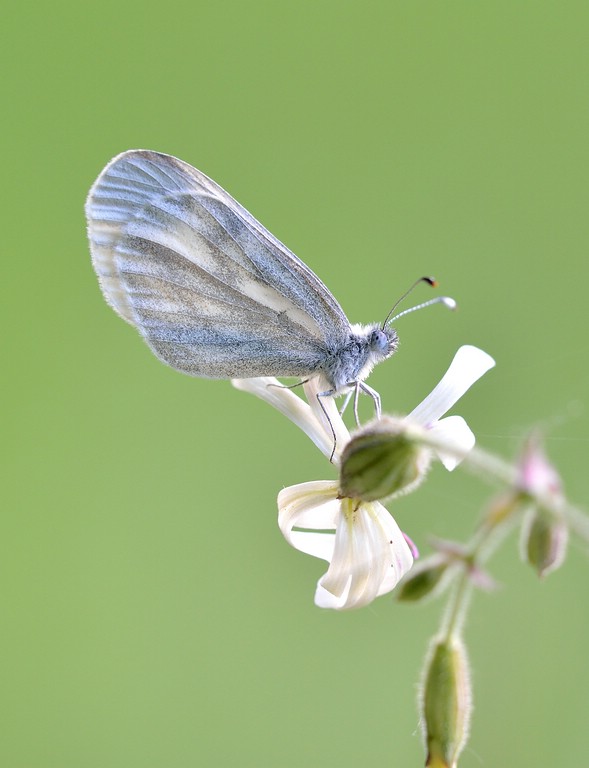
(383, 342)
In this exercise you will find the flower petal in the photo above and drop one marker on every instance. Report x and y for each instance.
(468, 365)
(326, 599)
(402, 556)
(293, 407)
(310, 505)
(455, 431)
(370, 556)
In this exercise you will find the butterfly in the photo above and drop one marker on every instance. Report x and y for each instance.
(215, 294)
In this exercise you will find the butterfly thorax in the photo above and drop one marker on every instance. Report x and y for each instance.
(364, 347)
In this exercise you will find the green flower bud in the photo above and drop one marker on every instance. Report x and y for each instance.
(423, 580)
(544, 541)
(544, 536)
(380, 460)
(446, 702)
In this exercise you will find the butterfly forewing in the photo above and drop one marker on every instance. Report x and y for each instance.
(212, 291)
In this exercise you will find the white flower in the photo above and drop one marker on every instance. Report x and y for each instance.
(468, 365)
(364, 546)
(367, 552)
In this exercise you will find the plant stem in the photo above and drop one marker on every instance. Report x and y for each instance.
(496, 469)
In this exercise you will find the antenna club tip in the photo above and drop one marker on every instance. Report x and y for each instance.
(431, 281)
(448, 302)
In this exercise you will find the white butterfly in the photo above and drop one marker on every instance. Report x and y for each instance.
(212, 292)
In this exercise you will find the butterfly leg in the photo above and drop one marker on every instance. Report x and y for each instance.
(355, 388)
(373, 394)
(356, 399)
(328, 393)
(288, 386)
(346, 402)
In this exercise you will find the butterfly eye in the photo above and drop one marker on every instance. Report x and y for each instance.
(379, 341)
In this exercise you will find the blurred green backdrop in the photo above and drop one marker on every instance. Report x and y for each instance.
(152, 614)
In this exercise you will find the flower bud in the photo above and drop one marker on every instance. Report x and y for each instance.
(544, 541)
(537, 476)
(544, 536)
(423, 580)
(380, 460)
(446, 702)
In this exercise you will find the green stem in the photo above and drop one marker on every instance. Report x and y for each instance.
(477, 551)
(495, 469)
(456, 608)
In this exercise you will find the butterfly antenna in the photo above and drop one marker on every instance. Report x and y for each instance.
(429, 280)
(446, 300)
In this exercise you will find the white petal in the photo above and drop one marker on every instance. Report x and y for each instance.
(468, 365)
(315, 544)
(326, 599)
(327, 414)
(292, 406)
(455, 431)
(356, 568)
(369, 557)
(310, 505)
(402, 556)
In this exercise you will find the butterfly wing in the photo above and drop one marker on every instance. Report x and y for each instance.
(213, 293)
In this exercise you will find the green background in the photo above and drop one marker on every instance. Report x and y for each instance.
(152, 614)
